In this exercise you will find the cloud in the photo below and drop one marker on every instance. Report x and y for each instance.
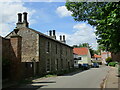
(63, 12)
(8, 14)
(82, 33)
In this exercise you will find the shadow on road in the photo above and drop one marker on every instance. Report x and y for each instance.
(33, 86)
(30, 87)
(45, 82)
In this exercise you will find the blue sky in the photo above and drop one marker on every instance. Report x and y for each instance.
(48, 19)
(45, 16)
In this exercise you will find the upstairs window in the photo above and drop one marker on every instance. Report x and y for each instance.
(62, 64)
(56, 48)
(56, 64)
(79, 58)
(66, 51)
(48, 47)
(61, 50)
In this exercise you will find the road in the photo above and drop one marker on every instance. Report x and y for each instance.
(91, 78)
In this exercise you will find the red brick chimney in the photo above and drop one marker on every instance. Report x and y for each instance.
(21, 24)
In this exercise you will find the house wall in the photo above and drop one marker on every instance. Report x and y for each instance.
(29, 51)
(34, 56)
(30, 48)
(76, 64)
(105, 55)
(5, 48)
(84, 59)
(59, 58)
(89, 58)
(11, 58)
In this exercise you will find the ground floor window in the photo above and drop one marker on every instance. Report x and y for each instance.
(62, 64)
(75, 62)
(29, 64)
(56, 64)
(48, 65)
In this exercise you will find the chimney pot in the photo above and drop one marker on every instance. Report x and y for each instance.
(19, 17)
(53, 32)
(25, 17)
(60, 38)
(64, 38)
(50, 33)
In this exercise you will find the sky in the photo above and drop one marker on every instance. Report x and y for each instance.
(45, 16)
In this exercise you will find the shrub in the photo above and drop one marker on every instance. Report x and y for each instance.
(109, 59)
(112, 64)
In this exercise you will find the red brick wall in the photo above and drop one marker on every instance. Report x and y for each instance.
(16, 57)
(11, 51)
(5, 58)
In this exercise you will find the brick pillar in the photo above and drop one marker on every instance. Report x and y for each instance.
(16, 42)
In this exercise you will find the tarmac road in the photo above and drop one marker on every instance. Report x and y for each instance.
(91, 78)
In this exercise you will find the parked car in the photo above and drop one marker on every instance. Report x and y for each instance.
(95, 65)
(85, 66)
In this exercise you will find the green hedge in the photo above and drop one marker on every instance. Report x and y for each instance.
(112, 64)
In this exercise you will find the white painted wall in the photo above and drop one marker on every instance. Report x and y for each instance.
(84, 59)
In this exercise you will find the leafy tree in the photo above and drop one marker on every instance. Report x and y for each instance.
(84, 45)
(75, 46)
(102, 15)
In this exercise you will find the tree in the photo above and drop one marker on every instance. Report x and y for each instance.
(102, 15)
(84, 45)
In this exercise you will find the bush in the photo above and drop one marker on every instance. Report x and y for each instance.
(109, 59)
(112, 64)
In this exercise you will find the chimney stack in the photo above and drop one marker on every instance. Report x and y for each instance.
(53, 32)
(54, 36)
(21, 23)
(25, 23)
(19, 18)
(60, 38)
(64, 39)
(25, 17)
(50, 33)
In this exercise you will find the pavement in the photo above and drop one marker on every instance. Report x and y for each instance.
(112, 80)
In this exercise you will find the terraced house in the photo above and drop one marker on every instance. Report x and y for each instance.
(36, 53)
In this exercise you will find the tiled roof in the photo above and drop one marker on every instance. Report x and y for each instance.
(97, 56)
(80, 51)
